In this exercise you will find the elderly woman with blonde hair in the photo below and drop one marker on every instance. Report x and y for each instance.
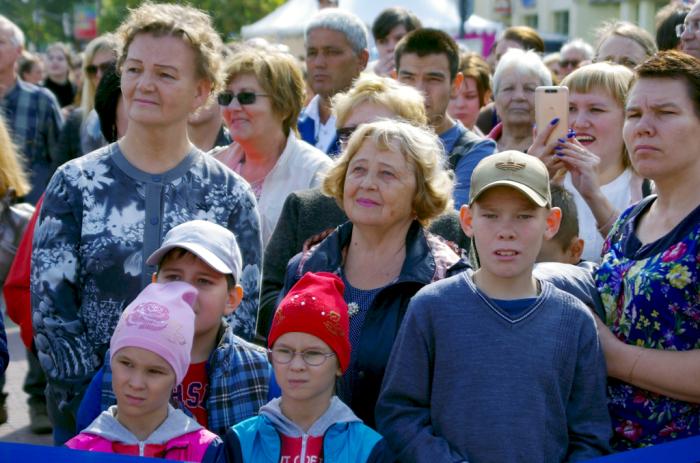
(391, 183)
(308, 216)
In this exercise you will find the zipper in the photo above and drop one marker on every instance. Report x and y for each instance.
(142, 446)
(303, 448)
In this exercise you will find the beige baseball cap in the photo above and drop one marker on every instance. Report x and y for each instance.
(511, 168)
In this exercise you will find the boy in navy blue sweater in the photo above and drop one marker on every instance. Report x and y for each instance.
(495, 365)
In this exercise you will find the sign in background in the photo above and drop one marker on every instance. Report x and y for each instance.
(84, 21)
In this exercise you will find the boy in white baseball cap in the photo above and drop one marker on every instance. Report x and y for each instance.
(228, 378)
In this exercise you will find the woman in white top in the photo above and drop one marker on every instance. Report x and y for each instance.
(597, 167)
(262, 101)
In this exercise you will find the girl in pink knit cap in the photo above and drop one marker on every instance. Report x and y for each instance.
(150, 354)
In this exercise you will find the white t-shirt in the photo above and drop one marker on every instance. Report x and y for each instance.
(619, 193)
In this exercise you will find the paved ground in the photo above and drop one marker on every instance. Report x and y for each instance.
(17, 427)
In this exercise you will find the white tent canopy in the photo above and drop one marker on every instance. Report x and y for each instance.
(440, 14)
(289, 19)
(478, 25)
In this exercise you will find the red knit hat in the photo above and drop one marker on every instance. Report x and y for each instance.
(315, 306)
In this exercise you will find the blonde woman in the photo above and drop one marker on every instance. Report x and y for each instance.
(13, 184)
(104, 212)
(308, 216)
(81, 132)
(598, 169)
(391, 183)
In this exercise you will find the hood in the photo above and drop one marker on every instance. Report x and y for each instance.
(175, 425)
(337, 412)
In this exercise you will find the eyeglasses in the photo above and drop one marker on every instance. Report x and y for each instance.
(569, 62)
(91, 69)
(344, 134)
(244, 98)
(312, 358)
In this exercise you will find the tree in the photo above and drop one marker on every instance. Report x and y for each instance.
(229, 15)
(40, 20)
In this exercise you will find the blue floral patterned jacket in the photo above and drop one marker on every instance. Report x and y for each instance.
(101, 218)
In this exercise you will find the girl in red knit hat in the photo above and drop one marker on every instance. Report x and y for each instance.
(309, 349)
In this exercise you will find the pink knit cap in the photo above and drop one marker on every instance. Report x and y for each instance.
(160, 320)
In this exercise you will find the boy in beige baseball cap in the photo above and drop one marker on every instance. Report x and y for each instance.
(522, 356)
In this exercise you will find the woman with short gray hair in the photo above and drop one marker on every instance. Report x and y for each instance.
(517, 76)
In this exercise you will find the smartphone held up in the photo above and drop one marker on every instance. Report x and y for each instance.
(552, 102)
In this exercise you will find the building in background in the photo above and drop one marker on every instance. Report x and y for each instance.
(561, 19)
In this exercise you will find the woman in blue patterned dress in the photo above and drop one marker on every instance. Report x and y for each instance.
(105, 212)
(649, 279)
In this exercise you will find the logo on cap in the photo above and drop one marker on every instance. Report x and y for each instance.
(510, 165)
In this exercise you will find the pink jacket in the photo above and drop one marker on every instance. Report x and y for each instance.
(179, 438)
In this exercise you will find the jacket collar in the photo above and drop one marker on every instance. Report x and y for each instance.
(420, 265)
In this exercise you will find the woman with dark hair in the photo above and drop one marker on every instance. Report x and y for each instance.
(667, 21)
(474, 93)
(387, 29)
(30, 68)
(649, 279)
(110, 107)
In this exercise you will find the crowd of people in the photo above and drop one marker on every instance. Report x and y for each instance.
(224, 253)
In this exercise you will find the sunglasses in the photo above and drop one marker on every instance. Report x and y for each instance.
(91, 69)
(344, 134)
(567, 63)
(244, 98)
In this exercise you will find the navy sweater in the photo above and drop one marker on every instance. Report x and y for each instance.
(466, 382)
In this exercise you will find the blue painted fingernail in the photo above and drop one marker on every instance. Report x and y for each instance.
(571, 135)
(554, 121)
(561, 140)
(558, 154)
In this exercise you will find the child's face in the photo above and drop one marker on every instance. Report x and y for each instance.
(301, 382)
(143, 382)
(214, 299)
(508, 229)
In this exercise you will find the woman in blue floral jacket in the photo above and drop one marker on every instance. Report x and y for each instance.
(649, 280)
(105, 212)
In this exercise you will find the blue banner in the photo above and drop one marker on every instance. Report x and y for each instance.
(33, 453)
(680, 451)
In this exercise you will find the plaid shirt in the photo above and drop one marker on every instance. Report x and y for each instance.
(34, 118)
(239, 377)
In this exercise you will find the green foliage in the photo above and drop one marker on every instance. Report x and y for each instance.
(229, 15)
(41, 20)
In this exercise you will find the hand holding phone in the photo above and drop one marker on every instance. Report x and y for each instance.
(552, 102)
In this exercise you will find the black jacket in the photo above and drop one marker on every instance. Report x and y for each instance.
(428, 259)
(305, 214)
